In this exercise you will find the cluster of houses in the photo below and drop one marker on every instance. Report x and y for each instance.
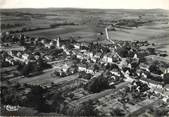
(113, 63)
(89, 57)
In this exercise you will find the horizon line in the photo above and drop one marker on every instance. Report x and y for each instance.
(86, 8)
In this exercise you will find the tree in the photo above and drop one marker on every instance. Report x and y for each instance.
(84, 109)
(118, 112)
(98, 84)
(9, 95)
(166, 78)
(96, 67)
(36, 99)
(22, 40)
(123, 52)
(27, 68)
(155, 68)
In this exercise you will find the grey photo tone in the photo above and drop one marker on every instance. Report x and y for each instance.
(84, 62)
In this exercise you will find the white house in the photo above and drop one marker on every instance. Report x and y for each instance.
(89, 70)
(94, 59)
(25, 57)
(43, 41)
(65, 67)
(77, 46)
(51, 43)
(82, 67)
(79, 55)
(123, 63)
(65, 50)
(47, 45)
(166, 70)
(98, 55)
(107, 58)
(90, 54)
(19, 54)
(115, 73)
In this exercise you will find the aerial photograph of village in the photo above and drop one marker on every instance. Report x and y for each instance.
(84, 62)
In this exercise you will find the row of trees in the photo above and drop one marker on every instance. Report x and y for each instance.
(6, 26)
(24, 29)
(61, 24)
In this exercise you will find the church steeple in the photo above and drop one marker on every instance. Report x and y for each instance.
(58, 42)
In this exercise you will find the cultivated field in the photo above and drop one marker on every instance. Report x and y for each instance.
(88, 23)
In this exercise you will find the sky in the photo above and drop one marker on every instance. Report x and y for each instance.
(101, 4)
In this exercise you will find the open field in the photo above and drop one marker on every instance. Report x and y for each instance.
(91, 22)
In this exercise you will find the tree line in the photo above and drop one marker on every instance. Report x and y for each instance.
(6, 26)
